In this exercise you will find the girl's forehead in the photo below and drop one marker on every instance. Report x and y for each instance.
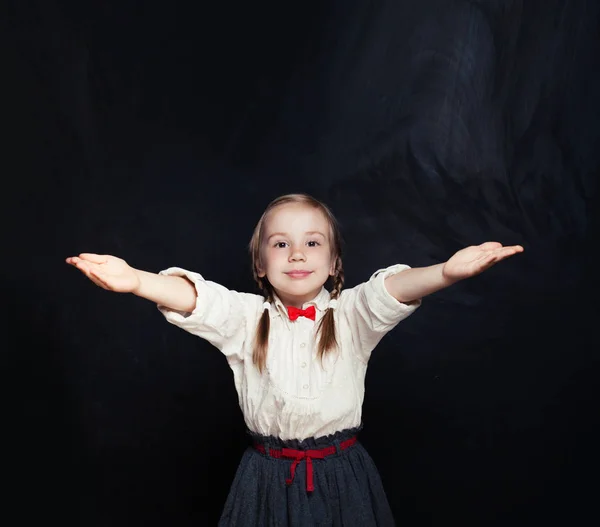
(296, 215)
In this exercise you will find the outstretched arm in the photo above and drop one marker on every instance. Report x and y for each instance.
(114, 274)
(414, 284)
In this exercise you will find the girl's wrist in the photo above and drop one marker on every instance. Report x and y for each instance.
(139, 275)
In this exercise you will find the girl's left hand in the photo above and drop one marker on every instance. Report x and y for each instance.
(473, 260)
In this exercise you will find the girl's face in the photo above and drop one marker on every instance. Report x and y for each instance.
(296, 252)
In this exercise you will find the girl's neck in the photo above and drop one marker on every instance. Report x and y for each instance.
(296, 301)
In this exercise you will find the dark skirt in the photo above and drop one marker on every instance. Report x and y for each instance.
(347, 488)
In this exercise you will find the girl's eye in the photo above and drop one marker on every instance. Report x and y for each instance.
(313, 243)
(281, 245)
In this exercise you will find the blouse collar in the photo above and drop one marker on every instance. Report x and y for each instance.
(321, 302)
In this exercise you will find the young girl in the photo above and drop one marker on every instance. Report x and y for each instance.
(299, 356)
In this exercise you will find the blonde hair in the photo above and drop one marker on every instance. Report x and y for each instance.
(326, 329)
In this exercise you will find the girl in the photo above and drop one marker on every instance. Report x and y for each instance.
(299, 355)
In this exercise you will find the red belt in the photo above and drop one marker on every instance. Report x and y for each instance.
(308, 455)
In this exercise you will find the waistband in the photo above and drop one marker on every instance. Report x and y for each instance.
(306, 443)
(307, 455)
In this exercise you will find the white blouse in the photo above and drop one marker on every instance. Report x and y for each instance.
(296, 397)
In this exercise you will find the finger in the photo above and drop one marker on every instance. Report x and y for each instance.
(505, 252)
(75, 260)
(85, 268)
(489, 260)
(91, 271)
(94, 258)
(488, 246)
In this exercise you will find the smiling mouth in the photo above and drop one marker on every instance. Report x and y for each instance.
(298, 274)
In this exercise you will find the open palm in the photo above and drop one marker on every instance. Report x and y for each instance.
(475, 259)
(106, 271)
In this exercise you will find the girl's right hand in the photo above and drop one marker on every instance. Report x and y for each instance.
(106, 271)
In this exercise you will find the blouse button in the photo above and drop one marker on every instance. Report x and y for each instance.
(303, 345)
(304, 364)
(305, 386)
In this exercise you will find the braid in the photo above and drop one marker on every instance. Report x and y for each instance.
(261, 342)
(328, 340)
(338, 279)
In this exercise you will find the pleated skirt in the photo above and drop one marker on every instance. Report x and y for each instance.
(347, 487)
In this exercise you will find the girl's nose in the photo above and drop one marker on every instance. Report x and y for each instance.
(297, 255)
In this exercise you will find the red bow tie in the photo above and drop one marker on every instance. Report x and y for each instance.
(294, 312)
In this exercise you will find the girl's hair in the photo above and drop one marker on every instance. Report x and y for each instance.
(326, 329)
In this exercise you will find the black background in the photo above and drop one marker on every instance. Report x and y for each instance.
(158, 132)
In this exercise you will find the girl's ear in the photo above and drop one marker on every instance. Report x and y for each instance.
(333, 267)
(260, 272)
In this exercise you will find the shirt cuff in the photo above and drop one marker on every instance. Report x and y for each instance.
(388, 307)
(196, 279)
